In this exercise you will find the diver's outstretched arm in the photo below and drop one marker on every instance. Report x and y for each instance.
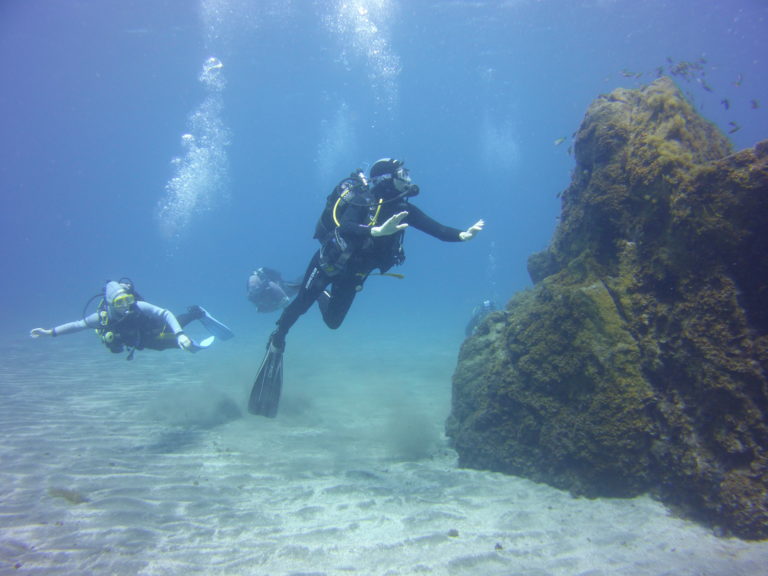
(37, 332)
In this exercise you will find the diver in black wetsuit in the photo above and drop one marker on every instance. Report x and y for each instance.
(361, 230)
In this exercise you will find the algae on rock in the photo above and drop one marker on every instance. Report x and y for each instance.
(638, 360)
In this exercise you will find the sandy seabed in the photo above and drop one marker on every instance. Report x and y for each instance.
(153, 467)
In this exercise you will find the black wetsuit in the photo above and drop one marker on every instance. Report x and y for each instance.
(367, 254)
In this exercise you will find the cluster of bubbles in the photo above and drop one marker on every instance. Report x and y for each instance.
(361, 28)
(498, 141)
(211, 75)
(336, 144)
(200, 174)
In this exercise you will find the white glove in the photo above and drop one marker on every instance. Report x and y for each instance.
(472, 230)
(391, 226)
(37, 332)
(184, 342)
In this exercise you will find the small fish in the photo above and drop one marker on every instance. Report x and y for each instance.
(560, 141)
(755, 104)
(734, 127)
(739, 80)
(726, 103)
(628, 74)
(704, 85)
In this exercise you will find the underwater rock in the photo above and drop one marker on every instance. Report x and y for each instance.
(638, 360)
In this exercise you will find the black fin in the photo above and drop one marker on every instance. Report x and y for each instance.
(265, 394)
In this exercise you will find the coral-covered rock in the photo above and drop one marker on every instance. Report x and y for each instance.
(639, 359)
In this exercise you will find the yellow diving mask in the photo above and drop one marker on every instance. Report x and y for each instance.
(122, 303)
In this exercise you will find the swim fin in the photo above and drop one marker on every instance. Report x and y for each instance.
(265, 394)
(214, 326)
(202, 345)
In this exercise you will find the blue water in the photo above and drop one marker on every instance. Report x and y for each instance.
(184, 144)
(97, 96)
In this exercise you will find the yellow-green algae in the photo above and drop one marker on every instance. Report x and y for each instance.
(638, 360)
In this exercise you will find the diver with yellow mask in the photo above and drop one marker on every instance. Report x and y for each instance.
(124, 321)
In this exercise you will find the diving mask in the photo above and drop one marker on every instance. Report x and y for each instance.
(122, 303)
(402, 182)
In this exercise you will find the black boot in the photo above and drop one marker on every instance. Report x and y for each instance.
(195, 312)
(277, 341)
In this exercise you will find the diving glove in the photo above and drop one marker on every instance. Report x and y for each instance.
(184, 342)
(391, 226)
(472, 230)
(37, 332)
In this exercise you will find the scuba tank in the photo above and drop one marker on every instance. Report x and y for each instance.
(335, 250)
(343, 195)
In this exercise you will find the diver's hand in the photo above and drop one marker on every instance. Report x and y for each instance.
(472, 230)
(184, 342)
(37, 332)
(391, 226)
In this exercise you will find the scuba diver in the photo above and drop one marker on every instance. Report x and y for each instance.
(360, 230)
(124, 321)
(268, 291)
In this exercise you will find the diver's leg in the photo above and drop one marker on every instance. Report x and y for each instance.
(315, 280)
(160, 340)
(163, 338)
(334, 306)
(192, 313)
